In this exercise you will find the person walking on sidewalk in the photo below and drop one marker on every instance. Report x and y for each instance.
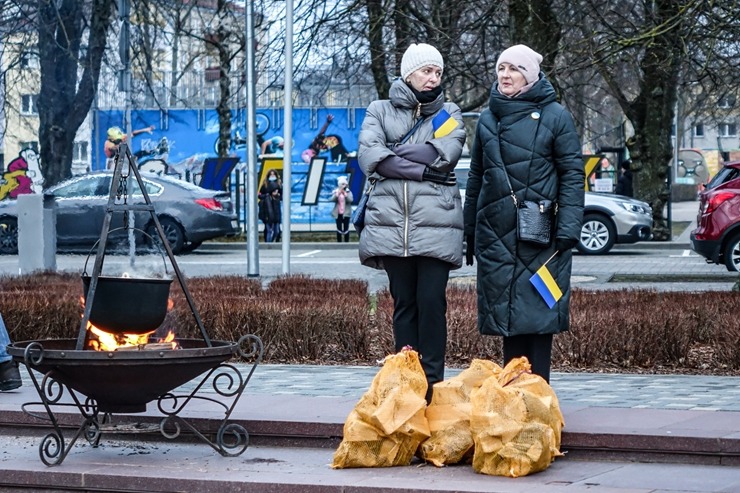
(413, 220)
(526, 145)
(10, 376)
(342, 198)
(270, 212)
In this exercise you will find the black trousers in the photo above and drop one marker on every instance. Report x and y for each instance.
(342, 228)
(418, 286)
(536, 347)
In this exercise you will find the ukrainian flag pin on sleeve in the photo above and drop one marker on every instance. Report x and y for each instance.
(544, 283)
(443, 124)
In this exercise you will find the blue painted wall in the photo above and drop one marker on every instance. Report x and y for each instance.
(183, 139)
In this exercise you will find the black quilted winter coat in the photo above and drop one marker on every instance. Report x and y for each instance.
(535, 138)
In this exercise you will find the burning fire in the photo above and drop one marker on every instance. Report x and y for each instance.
(105, 341)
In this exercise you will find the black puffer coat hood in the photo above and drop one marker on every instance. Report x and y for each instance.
(535, 139)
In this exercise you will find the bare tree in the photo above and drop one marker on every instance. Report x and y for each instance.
(69, 75)
(644, 52)
(377, 32)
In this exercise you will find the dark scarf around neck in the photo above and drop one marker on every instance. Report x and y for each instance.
(426, 97)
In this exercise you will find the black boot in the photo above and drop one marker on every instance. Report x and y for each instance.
(10, 377)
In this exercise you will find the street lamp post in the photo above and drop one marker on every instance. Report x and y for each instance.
(288, 136)
(253, 269)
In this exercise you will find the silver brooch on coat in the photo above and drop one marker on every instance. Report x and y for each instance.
(535, 115)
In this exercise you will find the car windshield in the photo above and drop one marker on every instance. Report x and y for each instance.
(89, 186)
(723, 176)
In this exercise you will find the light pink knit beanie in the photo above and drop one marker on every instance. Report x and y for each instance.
(525, 59)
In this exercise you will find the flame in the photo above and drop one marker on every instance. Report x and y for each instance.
(105, 341)
(110, 342)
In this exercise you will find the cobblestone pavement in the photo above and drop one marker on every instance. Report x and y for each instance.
(680, 392)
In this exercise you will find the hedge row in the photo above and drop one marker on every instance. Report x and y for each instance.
(321, 321)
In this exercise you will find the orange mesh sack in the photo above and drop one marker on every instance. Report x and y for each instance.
(387, 424)
(449, 415)
(516, 423)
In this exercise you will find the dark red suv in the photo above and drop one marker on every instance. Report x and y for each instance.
(717, 235)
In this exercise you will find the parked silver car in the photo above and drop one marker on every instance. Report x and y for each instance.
(189, 214)
(608, 218)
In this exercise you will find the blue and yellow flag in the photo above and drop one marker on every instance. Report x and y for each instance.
(544, 283)
(443, 124)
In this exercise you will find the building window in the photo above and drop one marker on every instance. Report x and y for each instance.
(30, 145)
(30, 60)
(29, 104)
(699, 130)
(727, 130)
(79, 152)
(727, 102)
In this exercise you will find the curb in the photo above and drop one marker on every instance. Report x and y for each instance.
(353, 245)
(586, 445)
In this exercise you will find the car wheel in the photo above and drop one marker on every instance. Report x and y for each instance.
(172, 231)
(732, 254)
(597, 235)
(8, 236)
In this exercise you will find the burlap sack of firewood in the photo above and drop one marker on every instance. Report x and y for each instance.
(387, 424)
(516, 423)
(449, 415)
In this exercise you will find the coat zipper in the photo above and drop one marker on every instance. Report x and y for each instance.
(405, 218)
(417, 113)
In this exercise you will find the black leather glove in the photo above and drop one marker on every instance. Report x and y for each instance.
(565, 244)
(469, 249)
(441, 177)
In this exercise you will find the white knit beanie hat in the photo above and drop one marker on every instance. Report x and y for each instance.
(525, 58)
(420, 55)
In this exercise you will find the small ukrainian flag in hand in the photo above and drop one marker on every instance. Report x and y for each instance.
(443, 124)
(544, 283)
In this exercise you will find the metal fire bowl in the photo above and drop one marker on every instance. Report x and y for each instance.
(123, 381)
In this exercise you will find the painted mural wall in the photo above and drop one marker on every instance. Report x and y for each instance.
(179, 143)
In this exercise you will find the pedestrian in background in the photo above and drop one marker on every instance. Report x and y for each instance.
(624, 184)
(269, 210)
(525, 134)
(342, 211)
(270, 213)
(413, 220)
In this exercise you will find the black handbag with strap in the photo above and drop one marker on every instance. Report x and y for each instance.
(534, 220)
(358, 214)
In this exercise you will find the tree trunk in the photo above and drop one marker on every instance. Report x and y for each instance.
(535, 24)
(652, 147)
(376, 23)
(63, 101)
(224, 85)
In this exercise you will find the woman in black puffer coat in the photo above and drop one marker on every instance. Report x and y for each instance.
(526, 134)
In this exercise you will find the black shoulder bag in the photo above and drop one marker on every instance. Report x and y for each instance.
(358, 214)
(534, 220)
